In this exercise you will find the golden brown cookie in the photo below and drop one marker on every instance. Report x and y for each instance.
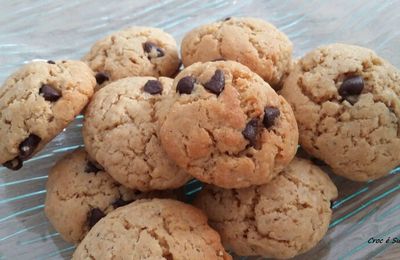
(152, 229)
(346, 100)
(80, 193)
(253, 42)
(36, 103)
(134, 51)
(226, 126)
(120, 133)
(281, 219)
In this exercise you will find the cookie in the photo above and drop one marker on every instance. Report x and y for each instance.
(36, 103)
(281, 219)
(253, 42)
(228, 127)
(120, 133)
(80, 193)
(135, 51)
(152, 229)
(346, 100)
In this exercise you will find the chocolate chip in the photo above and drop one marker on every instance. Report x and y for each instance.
(94, 216)
(28, 146)
(51, 62)
(14, 164)
(351, 86)
(101, 77)
(185, 85)
(153, 50)
(92, 167)
(148, 46)
(49, 93)
(250, 132)
(153, 87)
(217, 83)
(270, 114)
(120, 202)
(227, 18)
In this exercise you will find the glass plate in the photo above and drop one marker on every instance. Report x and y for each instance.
(66, 29)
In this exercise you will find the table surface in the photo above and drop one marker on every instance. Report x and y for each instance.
(54, 30)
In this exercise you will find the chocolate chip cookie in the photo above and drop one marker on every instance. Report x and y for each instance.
(36, 103)
(152, 229)
(346, 100)
(227, 126)
(253, 42)
(80, 193)
(120, 132)
(281, 219)
(135, 51)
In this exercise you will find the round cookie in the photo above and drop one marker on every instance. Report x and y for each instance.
(152, 229)
(253, 42)
(120, 133)
(281, 219)
(228, 127)
(135, 51)
(36, 103)
(80, 193)
(346, 100)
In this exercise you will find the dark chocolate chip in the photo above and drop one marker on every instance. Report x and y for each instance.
(101, 77)
(227, 18)
(250, 132)
(92, 167)
(94, 216)
(51, 62)
(28, 146)
(153, 87)
(14, 164)
(217, 83)
(49, 93)
(120, 202)
(185, 85)
(351, 86)
(150, 47)
(270, 114)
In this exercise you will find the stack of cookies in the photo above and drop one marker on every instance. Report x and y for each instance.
(232, 118)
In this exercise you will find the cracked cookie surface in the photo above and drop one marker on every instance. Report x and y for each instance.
(250, 41)
(120, 133)
(356, 133)
(135, 51)
(228, 127)
(152, 229)
(80, 192)
(281, 219)
(37, 102)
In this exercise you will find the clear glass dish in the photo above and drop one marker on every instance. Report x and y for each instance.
(65, 29)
